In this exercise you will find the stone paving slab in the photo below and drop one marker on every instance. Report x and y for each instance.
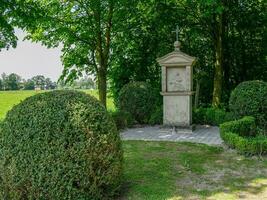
(202, 134)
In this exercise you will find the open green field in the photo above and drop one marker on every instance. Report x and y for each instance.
(10, 98)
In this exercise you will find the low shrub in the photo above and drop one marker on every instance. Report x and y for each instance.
(59, 145)
(138, 99)
(157, 116)
(250, 99)
(199, 116)
(245, 127)
(215, 116)
(250, 146)
(241, 135)
(211, 116)
(122, 119)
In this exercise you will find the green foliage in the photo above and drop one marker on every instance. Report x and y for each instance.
(39, 81)
(242, 135)
(7, 36)
(15, 82)
(86, 30)
(147, 35)
(1, 84)
(250, 98)
(251, 146)
(244, 127)
(211, 116)
(12, 81)
(138, 99)
(59, 145)
(122, 119)
(156, 116)
(29, 85)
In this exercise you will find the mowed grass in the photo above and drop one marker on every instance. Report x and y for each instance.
(174, 171)
(10, 98)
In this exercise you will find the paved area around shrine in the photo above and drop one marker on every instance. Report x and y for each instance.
(202, 134)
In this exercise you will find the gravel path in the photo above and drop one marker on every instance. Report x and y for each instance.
(202, 134)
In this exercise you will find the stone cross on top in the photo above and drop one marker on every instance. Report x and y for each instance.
(177, 33)
(177, 43)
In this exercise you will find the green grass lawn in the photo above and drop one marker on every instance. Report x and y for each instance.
(172, 171)
(10, 98)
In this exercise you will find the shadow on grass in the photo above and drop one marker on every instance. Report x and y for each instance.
(168, 170)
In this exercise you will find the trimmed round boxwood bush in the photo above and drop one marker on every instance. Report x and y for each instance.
(138, 99)
(250, 99)
(59, 145)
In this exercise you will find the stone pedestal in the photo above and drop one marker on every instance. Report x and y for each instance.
(177, 85)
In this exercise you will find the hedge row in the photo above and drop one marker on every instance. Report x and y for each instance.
(211, 116)
(242, 135)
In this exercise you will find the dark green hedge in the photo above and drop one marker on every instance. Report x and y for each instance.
(122, 119)
(59, 145)
(211, 116)
(138, 99)
(250, 99)
(157, 116)
(241, 135)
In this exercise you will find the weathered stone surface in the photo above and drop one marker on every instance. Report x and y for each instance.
(176, 79)
(176, 110)
(177, 84)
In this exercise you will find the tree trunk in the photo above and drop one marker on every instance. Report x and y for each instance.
(102, 51)
(102, 87)
(197, 94)
(218, 76)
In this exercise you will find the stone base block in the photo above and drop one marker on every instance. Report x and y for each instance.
(177, 111)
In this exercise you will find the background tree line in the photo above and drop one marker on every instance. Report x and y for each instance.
(16, 82)
(40, 82)
(119, 41)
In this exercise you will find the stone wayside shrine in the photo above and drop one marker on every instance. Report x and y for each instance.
(177, 86)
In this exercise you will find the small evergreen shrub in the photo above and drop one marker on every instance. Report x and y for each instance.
(199, 115)
(211, 116)
(59, 145)
(245, 127)
(215, 116)
(157, 116)
(138, 99)
(242, 135)
(122, 119)
(250, 99)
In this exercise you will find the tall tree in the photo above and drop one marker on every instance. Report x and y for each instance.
(1, 84)
(85, 28)
(13, 82)
(39, 81)
(29, 85)
(145, 35)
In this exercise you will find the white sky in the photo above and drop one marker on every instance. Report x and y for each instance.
(30, 59)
